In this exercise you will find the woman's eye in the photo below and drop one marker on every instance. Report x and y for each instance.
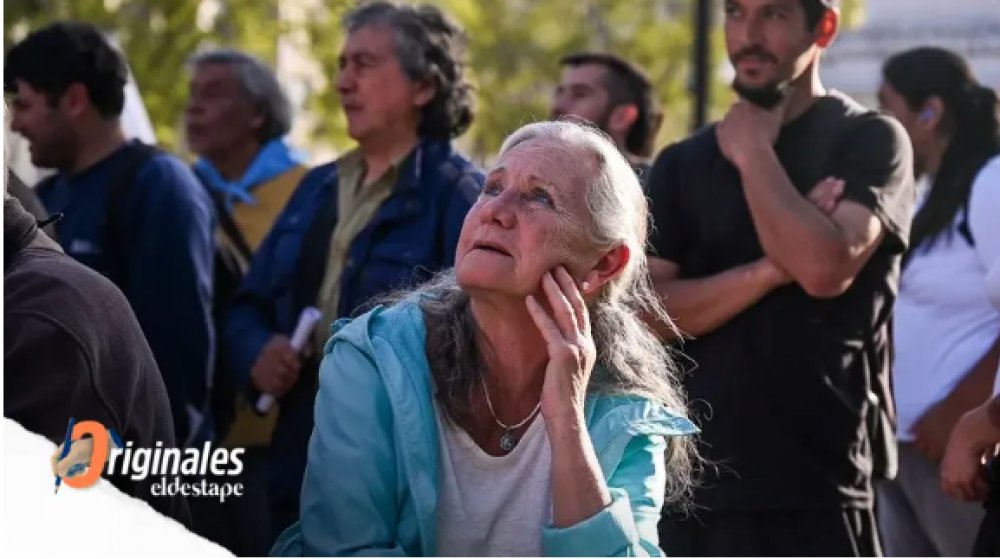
(540, 195)
(491, 189)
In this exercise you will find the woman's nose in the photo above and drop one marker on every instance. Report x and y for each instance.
(500, 211)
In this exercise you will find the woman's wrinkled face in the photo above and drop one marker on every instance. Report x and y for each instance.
(531, 217)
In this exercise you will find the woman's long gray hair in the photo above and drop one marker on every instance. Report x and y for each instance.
(631, 360)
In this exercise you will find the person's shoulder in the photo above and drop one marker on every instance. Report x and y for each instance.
(701, 145)
(320, 173)
(50, 284)
(988, 177)
(389, 338)
(400, 323)
(458, 173)
(865, 124)
(702, 142)
(167, 178)
(985, 196)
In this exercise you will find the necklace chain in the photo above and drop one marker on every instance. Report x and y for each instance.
(489, 404)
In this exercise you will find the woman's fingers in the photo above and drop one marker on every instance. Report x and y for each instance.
(547, 326)
(575, 298)
(562, 309)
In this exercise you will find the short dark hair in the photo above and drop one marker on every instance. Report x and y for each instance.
(627, 85)
(815, 9)
(431, 48)
(53, 58)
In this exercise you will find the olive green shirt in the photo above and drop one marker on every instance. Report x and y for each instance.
(356, 206)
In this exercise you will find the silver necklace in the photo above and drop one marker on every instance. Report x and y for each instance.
(507, 440)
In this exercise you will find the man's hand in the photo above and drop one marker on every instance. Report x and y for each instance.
(934, 428)
(974, 438)
(771, 273)
(277, 367)
(747, 128)
(826, 195)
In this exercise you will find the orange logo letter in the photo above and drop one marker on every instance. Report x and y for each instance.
(99, 435)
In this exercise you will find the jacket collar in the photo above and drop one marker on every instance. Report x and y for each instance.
(425, 157)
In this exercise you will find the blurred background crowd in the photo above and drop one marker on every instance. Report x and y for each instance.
(252, 99)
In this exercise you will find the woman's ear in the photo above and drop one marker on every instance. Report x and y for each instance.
(606, 269)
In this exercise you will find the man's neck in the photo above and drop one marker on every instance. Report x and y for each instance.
(98, 144)
(234, 163)
(382, 152)
(805, 92)
(932, 162)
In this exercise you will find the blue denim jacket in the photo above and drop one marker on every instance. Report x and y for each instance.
(371, 482)
(413, 234)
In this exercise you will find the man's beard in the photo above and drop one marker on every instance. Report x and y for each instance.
(767, 97)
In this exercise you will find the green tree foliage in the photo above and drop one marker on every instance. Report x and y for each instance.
(514, 49)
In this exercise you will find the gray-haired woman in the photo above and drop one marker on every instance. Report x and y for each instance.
(517, 405)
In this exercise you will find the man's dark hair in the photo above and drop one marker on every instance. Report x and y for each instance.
(53, 58)
(431, 49)
(970, 119)
(627, 85)
(815, 9)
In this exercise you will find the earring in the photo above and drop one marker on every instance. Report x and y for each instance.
(586, 286)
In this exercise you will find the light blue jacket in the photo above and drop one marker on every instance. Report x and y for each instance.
(370, 486)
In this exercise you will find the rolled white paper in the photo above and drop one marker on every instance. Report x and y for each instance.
(307, 322)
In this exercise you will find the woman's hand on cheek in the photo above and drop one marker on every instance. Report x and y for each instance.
(571, 349)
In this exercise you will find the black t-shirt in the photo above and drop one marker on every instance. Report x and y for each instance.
(782, 390)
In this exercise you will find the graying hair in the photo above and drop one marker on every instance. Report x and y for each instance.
(259, 84)
(631, 360)
(431, 49)
(6, 147)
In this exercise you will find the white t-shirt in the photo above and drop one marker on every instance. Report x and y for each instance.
(993, 292)
(492, 505)
(944, 320)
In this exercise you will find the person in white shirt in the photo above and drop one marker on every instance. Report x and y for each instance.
(973, 443)
(946, 331)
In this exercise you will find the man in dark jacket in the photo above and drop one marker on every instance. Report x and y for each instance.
(383, 216)
(139, 217)
(73, 348)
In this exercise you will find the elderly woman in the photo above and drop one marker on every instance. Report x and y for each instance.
(517, 406)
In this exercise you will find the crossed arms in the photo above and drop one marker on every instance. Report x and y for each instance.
(820, 242)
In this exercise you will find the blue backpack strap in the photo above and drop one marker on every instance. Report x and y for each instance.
(115, 234)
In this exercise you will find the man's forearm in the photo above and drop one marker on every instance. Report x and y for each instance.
(793, 231)
(699, 306)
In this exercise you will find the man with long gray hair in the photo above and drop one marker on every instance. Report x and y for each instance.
(384, 215)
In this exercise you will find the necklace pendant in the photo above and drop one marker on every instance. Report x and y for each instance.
(507, 442)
